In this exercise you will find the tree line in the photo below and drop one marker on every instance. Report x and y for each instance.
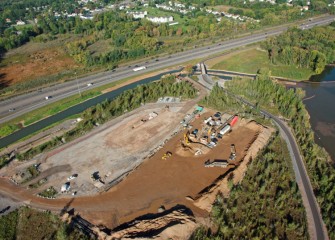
(313, 48)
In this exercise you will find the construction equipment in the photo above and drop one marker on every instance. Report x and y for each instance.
(232, 152)
(167, 155)
(216, 163)
(186, 138)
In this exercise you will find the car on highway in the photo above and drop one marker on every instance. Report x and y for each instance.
(89, 84)
(11, 110)
(48, 97)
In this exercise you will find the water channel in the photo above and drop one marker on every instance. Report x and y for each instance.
(5, 141)
(320, 104)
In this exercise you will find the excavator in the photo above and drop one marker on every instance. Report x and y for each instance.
(232, 152)
(186, 141)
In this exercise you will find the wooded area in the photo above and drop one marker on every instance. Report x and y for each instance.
(311, 49)
(267, 203)
(27, 223)
(288, 103)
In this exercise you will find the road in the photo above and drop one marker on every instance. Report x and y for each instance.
(316, 226)
(30, 101)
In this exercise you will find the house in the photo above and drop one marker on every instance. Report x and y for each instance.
(138, 15)
(160, 19)
(20, 23)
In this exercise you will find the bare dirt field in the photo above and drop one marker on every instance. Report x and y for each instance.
(47, 62)
(156, 182)
(110, 152)
(133, 146)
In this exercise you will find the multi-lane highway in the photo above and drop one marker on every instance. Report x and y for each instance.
(30, 101)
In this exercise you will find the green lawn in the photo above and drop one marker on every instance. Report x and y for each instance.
(251, 60)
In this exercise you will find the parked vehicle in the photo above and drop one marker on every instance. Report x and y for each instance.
(72, 177)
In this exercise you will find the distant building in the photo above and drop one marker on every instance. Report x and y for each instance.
(138, 15)
(160, 19)
(20, 23)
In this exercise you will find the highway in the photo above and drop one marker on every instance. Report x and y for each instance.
(316, 227)
(34, 100)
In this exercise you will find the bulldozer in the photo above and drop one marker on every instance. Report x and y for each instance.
(232, 152)
(166, 155)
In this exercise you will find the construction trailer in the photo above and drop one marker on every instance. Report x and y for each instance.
(225, 129)
(199, 108)
(217, 163)
(208, 119)
(233, 121)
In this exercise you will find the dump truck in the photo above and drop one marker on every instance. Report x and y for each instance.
(232, 152)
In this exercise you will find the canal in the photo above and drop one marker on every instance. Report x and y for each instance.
(14, 137)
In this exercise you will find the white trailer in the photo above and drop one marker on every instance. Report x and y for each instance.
(225, 130)
(207, 120)
(139, 68)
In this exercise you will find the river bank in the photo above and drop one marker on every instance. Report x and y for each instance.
(320, 96)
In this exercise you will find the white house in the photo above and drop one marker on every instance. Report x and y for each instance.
(138, 15)
(160, 19)
(20, 23)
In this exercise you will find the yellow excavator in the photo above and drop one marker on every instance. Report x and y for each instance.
(186, 141)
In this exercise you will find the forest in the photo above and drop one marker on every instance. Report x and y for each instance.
(126, 101)
(255, 188)
(27, 223)
(130, 38)
(267, 203)
(288, 103)
(313, 48)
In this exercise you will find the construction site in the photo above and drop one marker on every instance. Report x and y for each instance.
(154, 158)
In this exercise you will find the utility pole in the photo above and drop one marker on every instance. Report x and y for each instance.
(78, 84)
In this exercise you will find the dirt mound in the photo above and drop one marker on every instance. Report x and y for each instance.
(184, 150)
(171, 224)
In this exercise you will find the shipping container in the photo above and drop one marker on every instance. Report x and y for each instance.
(233, 121)
(225, 130)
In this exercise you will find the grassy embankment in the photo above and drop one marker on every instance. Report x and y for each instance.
(250, 60)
